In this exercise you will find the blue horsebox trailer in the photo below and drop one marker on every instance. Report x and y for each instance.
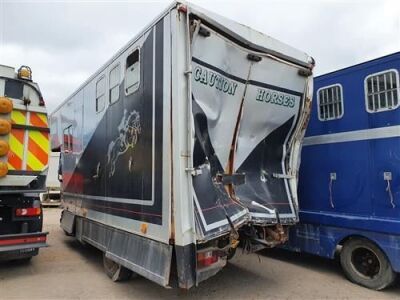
(183, 144)
(349, 184)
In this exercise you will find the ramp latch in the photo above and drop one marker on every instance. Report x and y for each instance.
(204, 32)
(235, 179)
(194, 171)
(282, 176)
(253, 57)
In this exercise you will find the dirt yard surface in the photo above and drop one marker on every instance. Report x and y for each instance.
(67, 270)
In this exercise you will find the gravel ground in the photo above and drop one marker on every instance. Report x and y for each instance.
(67, 270)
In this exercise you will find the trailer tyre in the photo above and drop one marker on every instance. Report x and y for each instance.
(364, 263)
(115, 271)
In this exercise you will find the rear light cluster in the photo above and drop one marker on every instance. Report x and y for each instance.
(23, 240)
(28, 212)
(207, 258)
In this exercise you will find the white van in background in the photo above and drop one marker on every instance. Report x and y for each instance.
(53, 196)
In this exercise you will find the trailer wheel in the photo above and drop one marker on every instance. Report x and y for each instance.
(365, 264)
(115, 271)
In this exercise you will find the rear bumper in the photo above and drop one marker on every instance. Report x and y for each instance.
(22, 241)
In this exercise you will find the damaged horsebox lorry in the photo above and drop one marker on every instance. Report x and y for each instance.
(183, 144)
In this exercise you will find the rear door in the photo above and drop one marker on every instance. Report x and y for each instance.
(220, 71)
(271, 109)
(245, 107)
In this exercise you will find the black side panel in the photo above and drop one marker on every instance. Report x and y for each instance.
(117, 167)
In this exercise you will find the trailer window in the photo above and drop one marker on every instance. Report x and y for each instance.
(330, 102)
(132, 76)
(114, 84)
(382, 91)
(100, 94)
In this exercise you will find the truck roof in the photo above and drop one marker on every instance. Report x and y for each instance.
(352, 68)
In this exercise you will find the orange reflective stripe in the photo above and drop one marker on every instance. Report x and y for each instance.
(14, 162)
(38, 121)
(18, 134)
(16, 152)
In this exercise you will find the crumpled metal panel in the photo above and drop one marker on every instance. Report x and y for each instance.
(246, 107)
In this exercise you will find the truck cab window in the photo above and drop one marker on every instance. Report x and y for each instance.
(132, 75)
(14, 89)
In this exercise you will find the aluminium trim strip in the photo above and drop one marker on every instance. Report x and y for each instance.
(353, 136)
(147, 202)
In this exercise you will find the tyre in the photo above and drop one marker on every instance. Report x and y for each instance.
(115, 271)
(364, 263)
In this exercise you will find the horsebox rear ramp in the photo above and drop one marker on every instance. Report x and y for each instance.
(246, 108)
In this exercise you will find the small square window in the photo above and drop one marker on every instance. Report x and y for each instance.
(114, 84)
(132, 74)
(330, 102)
(100, 94)
(382, 91)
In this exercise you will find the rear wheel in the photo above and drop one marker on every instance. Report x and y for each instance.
(115, 271)
(364, 263)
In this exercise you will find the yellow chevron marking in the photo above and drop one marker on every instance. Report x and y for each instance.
(43, 117)
(34, 163)
(16, 147)
(18, 117)
(40, 139)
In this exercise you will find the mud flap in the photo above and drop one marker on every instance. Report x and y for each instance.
(67, 221)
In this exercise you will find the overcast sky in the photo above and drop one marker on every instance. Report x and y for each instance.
(64, 42)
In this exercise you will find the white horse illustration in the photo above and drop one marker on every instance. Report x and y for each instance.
(129, 130)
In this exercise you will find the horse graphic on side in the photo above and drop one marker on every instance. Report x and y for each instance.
(129, 130)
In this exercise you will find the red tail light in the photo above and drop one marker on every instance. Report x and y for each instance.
(28, 212)
(207, 258)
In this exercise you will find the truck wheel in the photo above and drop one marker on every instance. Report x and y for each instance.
(115, 271)
(365, 264)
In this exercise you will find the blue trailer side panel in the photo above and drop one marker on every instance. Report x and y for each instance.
(346, 163)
